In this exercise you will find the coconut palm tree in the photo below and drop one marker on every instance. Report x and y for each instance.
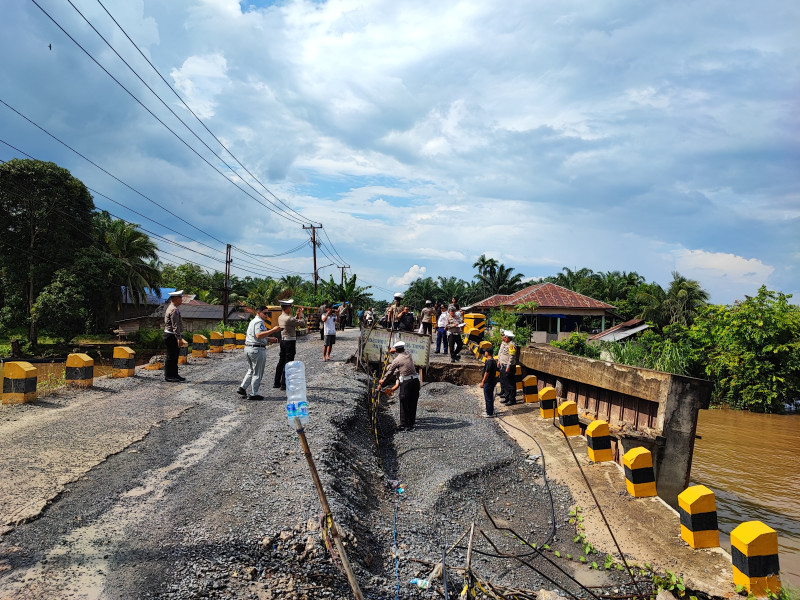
(685, 299)
(137, 257)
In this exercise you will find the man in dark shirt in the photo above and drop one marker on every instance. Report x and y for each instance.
(488, 382)
(405, 322)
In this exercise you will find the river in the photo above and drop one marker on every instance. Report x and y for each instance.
(750, 461)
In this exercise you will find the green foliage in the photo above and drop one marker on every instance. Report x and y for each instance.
(577, 344)
(671, 352)
(234, 326)
(505, 318)
(752, 350)
(59, 307)
(147, 338)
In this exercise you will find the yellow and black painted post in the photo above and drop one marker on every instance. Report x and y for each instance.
(274, 313)
(698, 510)
(240, 337)
(228, 340)
(639, 476)
(215, 342)
(19, 382)
(80, 370)
(547, 402)
(518, 385)
(568, 418)
(598, 442)
(123, 362)
(183, 354)
(754, 554)
(483, 347)
(530, 389)
(199, 346)
(476, 321)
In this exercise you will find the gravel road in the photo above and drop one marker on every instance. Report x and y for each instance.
(143, 489)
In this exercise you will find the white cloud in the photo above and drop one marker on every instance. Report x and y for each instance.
(704, 266)
(201, 79)
(414, 273)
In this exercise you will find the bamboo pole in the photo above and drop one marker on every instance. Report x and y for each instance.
(323, 500)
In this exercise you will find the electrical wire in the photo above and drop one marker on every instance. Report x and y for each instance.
(287, 216)
(157, 118)
(193, 113)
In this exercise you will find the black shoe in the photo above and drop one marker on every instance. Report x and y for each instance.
(255, 397)
(410, 428)
(276, 385)
(283, 387)
(179, 378)
(401, 428)
(241, 391)
(504, 402)
(173, 379)
(511, 403)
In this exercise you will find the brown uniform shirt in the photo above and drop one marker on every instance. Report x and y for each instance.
(172, 320)
(403, 365)
(507, 354)
(289, 325)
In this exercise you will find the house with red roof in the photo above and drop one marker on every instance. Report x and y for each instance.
(557, 312)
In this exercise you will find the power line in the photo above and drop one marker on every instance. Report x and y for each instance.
(140, 103)
(199, 120)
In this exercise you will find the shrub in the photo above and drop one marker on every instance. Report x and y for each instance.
(577, 344)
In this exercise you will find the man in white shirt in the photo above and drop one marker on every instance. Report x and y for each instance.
(329, 327)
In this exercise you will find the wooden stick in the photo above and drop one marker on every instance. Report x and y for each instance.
(323, 500)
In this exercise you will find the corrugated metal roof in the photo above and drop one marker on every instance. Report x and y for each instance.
(621, 331)
(546, 295)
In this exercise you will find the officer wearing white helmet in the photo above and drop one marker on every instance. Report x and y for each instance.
(408, 382)
(393, 312)
(506, 360)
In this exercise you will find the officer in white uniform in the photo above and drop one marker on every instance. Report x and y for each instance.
(255, 350)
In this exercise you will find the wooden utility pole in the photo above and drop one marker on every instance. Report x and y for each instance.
(343, 268)
(227, 285)
(313, 229)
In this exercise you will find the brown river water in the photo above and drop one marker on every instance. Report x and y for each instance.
(750, 461)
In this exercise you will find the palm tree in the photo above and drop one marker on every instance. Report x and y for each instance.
(501, 281)
(485, 265)
(423, 289)
(356, 295)
(137, 256)
(581, 281)
(263, 293)
(685, 299)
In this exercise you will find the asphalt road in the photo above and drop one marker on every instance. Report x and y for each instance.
(121, 491)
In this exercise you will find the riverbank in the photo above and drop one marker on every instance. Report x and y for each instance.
(156, 490)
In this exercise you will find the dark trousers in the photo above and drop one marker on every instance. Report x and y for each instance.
(171, 362)
(508, 387)
(427, 328)
(288, 350)
(441, 339)
(456, 343)
(409, 396)
(488, 396)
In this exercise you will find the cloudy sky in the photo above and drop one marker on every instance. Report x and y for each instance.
(632, 136)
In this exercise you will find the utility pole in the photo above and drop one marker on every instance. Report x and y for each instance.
(343, 268)
(313, 229)
(227, 286)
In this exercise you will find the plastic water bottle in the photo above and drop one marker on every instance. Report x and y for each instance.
(296, 401)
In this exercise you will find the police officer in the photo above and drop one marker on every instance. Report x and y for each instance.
(506, 359)
(288, 325)
(453, 326)
(173, 330)
(408, 382)
(393, 312)
(255, 351)
(426, 318)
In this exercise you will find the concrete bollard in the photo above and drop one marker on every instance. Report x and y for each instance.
(19, 382)
(598, 442)
(568, 418)
(698, 509)
(199, 346)
(476, 321)
(530, 389)
(183, 355)
(240, 338)
(80, 370)
(547, 402)
(518, 385)
(639, 477)
(215, 342)
(274, 313)
(754, 554)
(228, 340)
(123, 362)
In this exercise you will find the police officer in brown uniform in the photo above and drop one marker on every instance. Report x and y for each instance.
(173, 330)
(288, 325)
(393, 312)
(426, 318)
(408, 382)
(507, 360)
